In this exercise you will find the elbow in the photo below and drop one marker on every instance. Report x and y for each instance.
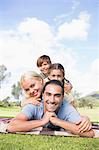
(89, 134)
(10, 129)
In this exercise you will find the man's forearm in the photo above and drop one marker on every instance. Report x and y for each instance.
(73, 128)
(20, 125)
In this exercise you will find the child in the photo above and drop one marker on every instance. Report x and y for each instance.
(57, 72)
(44, 63)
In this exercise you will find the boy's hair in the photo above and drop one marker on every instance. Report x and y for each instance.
(54, 82)
(43, 58)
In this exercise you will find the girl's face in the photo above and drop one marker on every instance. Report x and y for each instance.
(44, 68)
(56, 74)
(33, 87)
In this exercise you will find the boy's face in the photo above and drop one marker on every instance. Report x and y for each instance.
(52, 97)
(44, 68)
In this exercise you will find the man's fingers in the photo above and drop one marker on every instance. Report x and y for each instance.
(84, 127)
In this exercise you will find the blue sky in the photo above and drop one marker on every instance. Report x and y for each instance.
(66, 30)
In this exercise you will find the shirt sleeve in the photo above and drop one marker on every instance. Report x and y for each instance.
(29, 110)
(69, 113)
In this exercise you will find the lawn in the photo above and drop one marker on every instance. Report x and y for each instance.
(39, 142)
(9, 111)
(93, 114)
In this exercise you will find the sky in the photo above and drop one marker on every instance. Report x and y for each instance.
(66, 30)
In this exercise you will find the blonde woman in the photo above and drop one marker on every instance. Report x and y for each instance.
(31, 83)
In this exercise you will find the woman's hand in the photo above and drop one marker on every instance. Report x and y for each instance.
(84, 124)
(31, 100)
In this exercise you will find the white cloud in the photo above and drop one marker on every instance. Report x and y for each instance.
(20, 48)
(95, 67)
(73, 6)
(86, 82)
(76, 29)
(31, 38)
(38, 32)
(76, 3)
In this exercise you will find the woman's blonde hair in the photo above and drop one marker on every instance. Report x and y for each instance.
(29, 75)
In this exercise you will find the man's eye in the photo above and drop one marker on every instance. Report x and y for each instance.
(48, 94)
(58, 95)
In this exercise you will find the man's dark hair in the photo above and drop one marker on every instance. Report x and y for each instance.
(55, 82)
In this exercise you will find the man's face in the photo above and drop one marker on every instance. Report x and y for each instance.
(52, 97)
(44, 68)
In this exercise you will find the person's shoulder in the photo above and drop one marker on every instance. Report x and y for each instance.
(42, 75)
(68, 97)
(65, 102)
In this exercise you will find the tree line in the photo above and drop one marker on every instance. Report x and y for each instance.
(16, 90)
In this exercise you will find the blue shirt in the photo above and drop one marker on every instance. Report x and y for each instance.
(66, 112)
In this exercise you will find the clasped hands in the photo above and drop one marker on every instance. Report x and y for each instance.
(83, 125)
(50, 117)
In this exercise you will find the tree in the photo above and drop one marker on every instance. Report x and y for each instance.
(16, 90)
(6, 102)
(76, 94)
(3, 74)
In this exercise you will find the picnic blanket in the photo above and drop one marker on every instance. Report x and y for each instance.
(43, 131)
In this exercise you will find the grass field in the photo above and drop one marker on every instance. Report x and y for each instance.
(9, 111)
(35, 142)
(93, 114)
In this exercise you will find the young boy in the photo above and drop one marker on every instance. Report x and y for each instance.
(44, 63)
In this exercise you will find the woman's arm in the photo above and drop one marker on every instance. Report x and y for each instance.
(30, 100)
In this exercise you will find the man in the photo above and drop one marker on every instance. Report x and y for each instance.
(53, 111)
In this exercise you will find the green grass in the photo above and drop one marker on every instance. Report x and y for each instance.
(38, 142)
(91, 113)
(9, 111)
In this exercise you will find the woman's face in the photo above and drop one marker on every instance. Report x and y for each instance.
(33, 87)
(56, 74)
